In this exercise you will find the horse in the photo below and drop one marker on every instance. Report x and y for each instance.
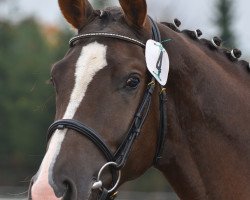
(114, 119)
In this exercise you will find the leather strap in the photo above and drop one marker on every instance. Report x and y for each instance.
(123, 151)
(162, 126)
(155, 30)
(85, 131)
(162, 102)
(104, 194)
(107, 35)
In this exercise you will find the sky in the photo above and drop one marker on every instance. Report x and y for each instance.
(193, 14)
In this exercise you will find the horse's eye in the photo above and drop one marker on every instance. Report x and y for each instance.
(132, 82)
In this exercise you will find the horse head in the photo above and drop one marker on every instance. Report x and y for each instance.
(100, 82)
(111, 125)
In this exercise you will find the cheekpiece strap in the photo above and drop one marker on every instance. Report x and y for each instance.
(155, 31)
(162, 102)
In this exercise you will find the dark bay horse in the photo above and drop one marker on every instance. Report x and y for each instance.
(105, 94)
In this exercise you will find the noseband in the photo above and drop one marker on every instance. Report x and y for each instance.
(117, 161)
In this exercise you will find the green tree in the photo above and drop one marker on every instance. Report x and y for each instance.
(26, 100)
(224, 21)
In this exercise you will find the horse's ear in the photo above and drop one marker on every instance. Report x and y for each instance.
(135, 12)
(76, 12)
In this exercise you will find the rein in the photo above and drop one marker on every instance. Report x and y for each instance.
(117, 161)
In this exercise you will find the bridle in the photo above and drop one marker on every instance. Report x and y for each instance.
(117, 161)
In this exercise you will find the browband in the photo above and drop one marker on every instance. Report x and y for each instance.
(107, 35)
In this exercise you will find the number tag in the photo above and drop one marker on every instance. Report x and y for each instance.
(157, 61)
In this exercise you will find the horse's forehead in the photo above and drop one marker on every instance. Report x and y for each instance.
(110, 20)
(91, 60)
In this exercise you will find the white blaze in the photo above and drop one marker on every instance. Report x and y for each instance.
(91, 60)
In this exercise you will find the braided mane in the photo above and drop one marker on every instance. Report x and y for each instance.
(214, 45)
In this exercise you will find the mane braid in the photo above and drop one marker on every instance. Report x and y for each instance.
(171, 26)
(232, 55)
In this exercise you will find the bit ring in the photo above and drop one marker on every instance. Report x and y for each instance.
(98, 183)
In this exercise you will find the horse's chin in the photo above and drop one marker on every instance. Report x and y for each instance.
(91, 195)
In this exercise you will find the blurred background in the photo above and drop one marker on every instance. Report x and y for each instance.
(33, 35)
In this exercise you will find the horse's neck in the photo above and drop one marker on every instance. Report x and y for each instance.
(207, 151)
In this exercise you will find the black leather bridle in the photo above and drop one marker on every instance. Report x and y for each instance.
(121, 155)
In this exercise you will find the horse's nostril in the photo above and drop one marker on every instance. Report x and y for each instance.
(70, 190)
